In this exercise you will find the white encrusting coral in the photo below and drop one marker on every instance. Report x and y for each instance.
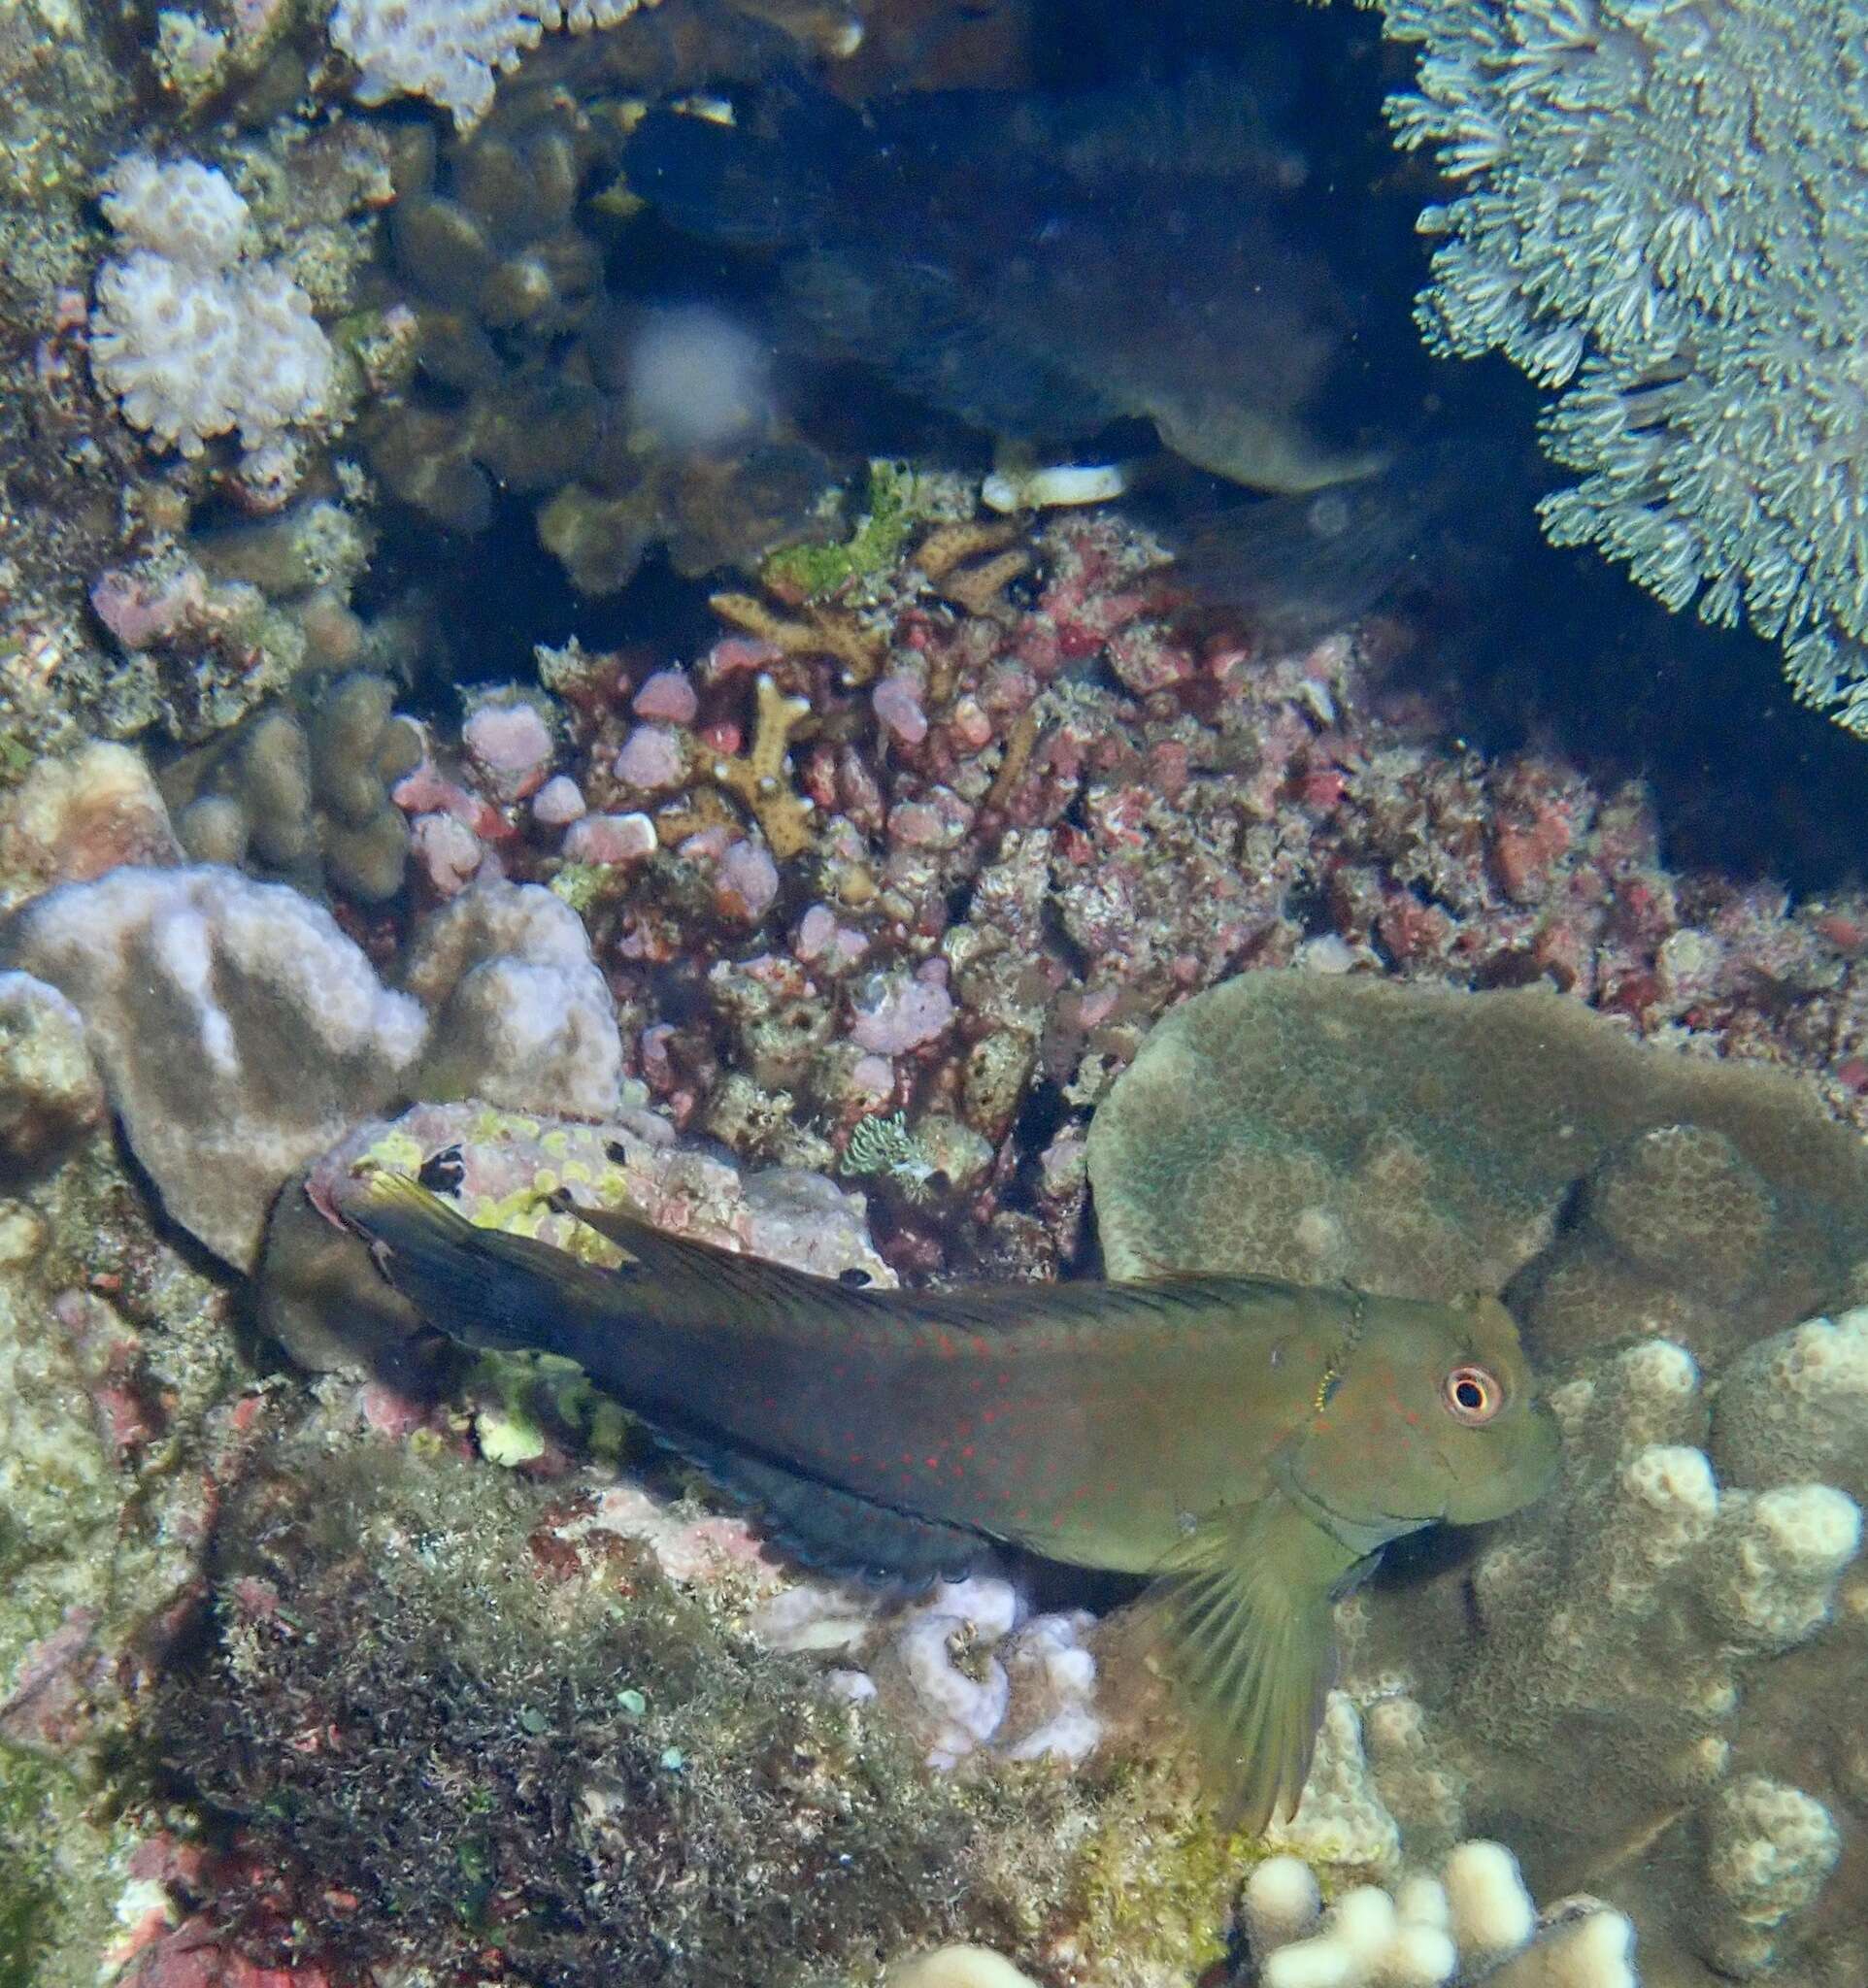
(1769, 1850)
(1796, 1407)
(1341, 1820)
(1488, 1910)
(966, 1667)
(451, 51)
(194, 335)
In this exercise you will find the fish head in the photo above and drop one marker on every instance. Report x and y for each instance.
(1430, 1414)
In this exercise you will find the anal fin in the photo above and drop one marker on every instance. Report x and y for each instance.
(826, 1527)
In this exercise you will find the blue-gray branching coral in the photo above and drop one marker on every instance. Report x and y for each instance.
(1663, 210)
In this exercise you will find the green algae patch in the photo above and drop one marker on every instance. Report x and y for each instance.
(1157, 1878)
(579, 1770)
(816, 571)
(62, 1871)
(27, 1893)
(538, 1755)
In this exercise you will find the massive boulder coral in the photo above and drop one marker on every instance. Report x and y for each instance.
(237, 1028)
(241, 1033)
(1420, 1141)
(1660, 211)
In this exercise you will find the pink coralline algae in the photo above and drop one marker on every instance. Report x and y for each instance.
(651, 760)
(448, 853)
(509, 747)
(896, 1012)
(558, 803)
(142, 610)
(610, 839)
(667, 695)
(898, 704)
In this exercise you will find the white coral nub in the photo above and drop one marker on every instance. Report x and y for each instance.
(192, 337)
(1475, 1923)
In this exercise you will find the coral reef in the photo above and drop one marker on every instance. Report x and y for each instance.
(529, 374)
(437, 1795)
(302, 789)
(1475, 1922)
(331, 1652)
(1648, 1643)
(1628, 1668)
(451, 53)
(1685, 286)
(121, 1407)
(196, 346)
(238, 1030)
(70, 820)
(50, 1094)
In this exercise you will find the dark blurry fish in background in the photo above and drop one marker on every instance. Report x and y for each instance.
(1041, 267)
(1301, 566)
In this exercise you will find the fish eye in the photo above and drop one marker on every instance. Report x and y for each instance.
(1473, 1396)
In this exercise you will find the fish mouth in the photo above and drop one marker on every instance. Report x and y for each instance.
(1362, 1531)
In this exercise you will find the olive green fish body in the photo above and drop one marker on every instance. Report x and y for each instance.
(1253, 1442)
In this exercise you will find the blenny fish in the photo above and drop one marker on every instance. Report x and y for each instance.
(1251, 1444)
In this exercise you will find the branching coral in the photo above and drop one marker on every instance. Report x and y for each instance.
(1662, 214)
(759, 778)
(814, 631)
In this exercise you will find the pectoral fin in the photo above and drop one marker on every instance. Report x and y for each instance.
(1245, 1627)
